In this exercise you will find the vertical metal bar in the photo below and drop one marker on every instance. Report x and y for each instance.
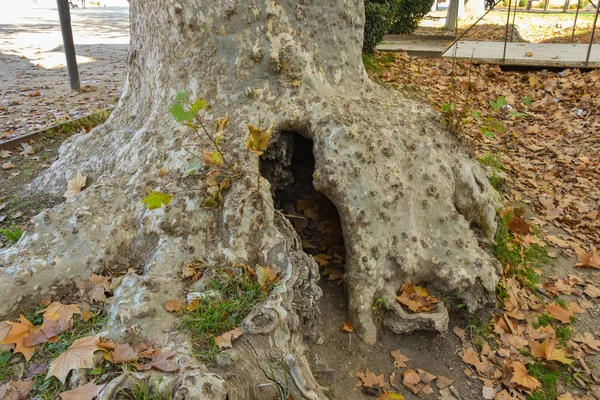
(589, 50)
(67, 34)
(506, 31)
(575, 23)
(512, 31)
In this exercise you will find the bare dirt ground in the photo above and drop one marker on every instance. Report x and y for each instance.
(34, 85)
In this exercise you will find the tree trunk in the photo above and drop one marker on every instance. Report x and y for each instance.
(405, 190)
(455, 12)
(474, 8)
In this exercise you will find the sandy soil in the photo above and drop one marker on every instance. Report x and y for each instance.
(34, 85)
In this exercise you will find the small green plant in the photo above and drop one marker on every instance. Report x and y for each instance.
(230, 296)
(379, 308)
(527, 101)
(493, 161)
(12, 234)
(142, 390)
(548, 377)
(563, 333)
(545, 319)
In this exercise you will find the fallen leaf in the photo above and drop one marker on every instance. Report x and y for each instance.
(416, 298)
(322, 259)
(75, 185)
(225, 340)
(16, 390)
(8, 165)
(411, 379)
(548, 351)
(586, 338)
(18, 332)
(488, 393)
(86, 315)
(369, 379)
(521, 377)
(57, 311)
(173, 305)
(124, 353)
(85, 392)
(591, 259)
(267, 275)
(5, 327)
(442, 382)
(5, 153)
(559, 313)
(44, 333)
(27, 150)
(348, 327)
(160, 360)
(518, 225)
(400, 359)
(558, 241)
(79, 355)
(94, 288)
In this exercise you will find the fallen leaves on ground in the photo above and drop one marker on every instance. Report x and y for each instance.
(225, 341)
(94, 288)
(560, 313)
(416, 298)
(370, 380)
(591, 259)
(75, 185)
(124, 353)
(17, 334)
(27, 150)
(16, 390)
(548, 351)
(85, 392)
(521, 377)
(57, 311)
(267, 275)
(400, 359)
(173, 305)
(79, 355)
(348, 327)
(160, 361)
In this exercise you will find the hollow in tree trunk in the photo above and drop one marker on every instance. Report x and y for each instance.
(406, 191)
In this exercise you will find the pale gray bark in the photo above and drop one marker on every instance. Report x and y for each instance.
(406, 191)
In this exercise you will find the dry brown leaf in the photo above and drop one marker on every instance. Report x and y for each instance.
(521, 377)
(85, 392)
(400, 359)
(518, 225)
(412, 380)
(173, 305)
(225, 340)
(79, 355)
(16, 390)
(75, 185)
(547, 351)
(592, 291)
(124, 353)
(369, 379)
(94, 288)
(471, 357)
(57, 311)
(160, 360)
(8, 165)
(47, 331)
(416, 298)
(559, 313)
(267, 275)
(591, 259)
(588, 339)
(27, 150)
(322, 259)
(18, 332)
(442, 382)
(558, 241)
(426, 377)
(4, 329)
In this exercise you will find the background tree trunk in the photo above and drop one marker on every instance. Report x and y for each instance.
(455, 12)
(405, 190)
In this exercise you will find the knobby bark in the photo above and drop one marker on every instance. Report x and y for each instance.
(406, 191)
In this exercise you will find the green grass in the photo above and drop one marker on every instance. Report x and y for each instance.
(233, 296)
(74, 126)
(545, 319)
(563, 333)
(548, 377)
(376, 63)
(12, 234)
(143, 391)
(492, 161)
(522, 262)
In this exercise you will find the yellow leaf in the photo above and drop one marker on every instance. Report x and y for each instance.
(57, 311)
(258, 139)
(391, 396)
(548, 351)
(348, 327)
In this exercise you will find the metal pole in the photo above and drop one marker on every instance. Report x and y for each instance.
(506, 31)
(512, 30)
(587, 58)
(575, 23)
(67, 34)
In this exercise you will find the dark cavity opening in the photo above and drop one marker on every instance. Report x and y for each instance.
(289, 165)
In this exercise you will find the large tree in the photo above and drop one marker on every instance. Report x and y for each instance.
(406, 191)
